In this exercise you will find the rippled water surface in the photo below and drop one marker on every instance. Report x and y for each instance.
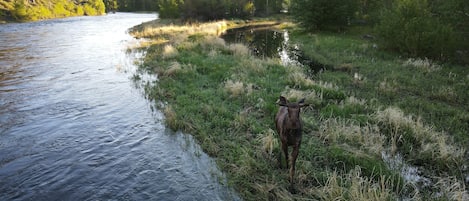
(74, 126)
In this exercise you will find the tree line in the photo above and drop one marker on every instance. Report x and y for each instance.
(217, 9)
(30, 10)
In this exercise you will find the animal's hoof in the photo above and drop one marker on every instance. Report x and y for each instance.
(292, 189)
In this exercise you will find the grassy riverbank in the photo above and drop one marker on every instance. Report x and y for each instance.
(372, 114)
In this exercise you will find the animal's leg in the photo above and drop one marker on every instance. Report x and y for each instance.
(285, 152)
(294, 156)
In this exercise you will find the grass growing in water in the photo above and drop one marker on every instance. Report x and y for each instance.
(226, 98)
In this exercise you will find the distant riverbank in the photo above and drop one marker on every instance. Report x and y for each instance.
(380, 127)
(23, 11)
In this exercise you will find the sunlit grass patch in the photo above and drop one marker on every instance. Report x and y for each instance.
(164, 28)
(169, 52)
(234, 88)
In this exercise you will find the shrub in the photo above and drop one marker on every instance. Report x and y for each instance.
(169, 8)
(321, 14)
(410, 28)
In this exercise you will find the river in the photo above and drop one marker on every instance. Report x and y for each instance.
(75, 126)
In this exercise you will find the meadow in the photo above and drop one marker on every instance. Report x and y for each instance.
(379, 126)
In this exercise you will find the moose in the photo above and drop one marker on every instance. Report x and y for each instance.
(289, 128)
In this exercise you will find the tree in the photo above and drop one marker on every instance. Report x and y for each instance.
(267, 7)
(111, 5)
(410, 27)
(322, 14)
(170, 8)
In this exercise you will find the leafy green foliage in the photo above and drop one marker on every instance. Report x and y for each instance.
(169, 8)
(137, 5)
(206, 10)
(26, 11)
(410, 28)
(321, 14)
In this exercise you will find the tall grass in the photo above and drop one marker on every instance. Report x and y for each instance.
(423, 139)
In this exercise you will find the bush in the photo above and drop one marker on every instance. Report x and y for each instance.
(169, 9)
(409, 28)
(322, 14)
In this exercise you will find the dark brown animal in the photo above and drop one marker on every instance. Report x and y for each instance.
(289, 128)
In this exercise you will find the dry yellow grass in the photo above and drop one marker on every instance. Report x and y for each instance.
(170, 117)
(169, 52)
(295, 94)
(426, 65)
(239, 49)
(268, 141)
(234, 88)
(174, 68)
(355, 187)
(342, 131)
(158, 28)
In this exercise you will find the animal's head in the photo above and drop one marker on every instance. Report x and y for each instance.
(292, 108)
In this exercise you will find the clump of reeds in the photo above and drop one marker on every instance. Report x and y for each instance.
(388, 86)
(354, 186)
(308, 95)
(170, 117)
(438, 144)
(297, 77)
(425, 65)
(269, 141)
(343, 131)
(169, 52)
(239, 49)
(234, 88)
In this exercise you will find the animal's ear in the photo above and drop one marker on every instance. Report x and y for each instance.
(283, 101)
(302, 103)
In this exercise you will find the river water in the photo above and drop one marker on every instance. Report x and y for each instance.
(74, 126)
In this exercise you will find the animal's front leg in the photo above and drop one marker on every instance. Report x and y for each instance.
(285, 152)
(294, 155)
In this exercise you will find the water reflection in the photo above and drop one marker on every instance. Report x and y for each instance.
(268, 43)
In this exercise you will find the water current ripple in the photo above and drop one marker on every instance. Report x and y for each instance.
(74, 126)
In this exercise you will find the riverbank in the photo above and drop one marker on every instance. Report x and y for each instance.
(24, 11)
(374, 117)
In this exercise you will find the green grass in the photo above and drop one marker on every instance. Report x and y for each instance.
(226, 98)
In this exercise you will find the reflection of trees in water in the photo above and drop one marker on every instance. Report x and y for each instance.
(263, 43)
(274, 44)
